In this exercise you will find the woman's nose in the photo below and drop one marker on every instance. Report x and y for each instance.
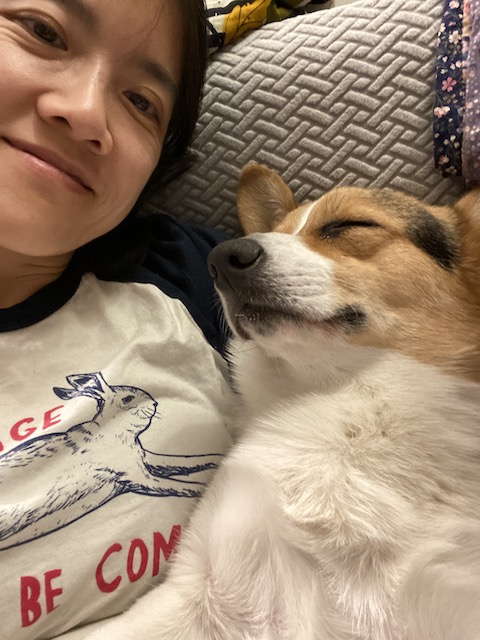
(80, 103)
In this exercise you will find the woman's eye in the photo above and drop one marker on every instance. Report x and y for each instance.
(334, 229)
(43, 32)
(141, 103)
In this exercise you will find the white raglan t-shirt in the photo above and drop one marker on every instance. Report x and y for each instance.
(113, 416)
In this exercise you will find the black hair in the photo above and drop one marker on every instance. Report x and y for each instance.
(113, 254)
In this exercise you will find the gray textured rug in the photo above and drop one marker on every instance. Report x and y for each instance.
(336, 97)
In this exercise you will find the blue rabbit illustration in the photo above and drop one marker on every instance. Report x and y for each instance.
(82, 475)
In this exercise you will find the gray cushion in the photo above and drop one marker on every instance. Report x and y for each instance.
(337, 97)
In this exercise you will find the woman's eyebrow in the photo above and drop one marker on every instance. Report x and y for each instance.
(157, 72)
(80, 10)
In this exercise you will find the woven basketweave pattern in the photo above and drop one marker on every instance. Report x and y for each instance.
(337, 97)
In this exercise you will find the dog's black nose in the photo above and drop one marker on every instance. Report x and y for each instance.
(232, 260)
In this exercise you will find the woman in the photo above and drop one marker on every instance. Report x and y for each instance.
(112, 387)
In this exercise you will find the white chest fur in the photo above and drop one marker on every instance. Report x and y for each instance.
(375, 462)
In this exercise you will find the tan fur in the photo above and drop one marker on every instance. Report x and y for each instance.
(277, 198)
(434, 319)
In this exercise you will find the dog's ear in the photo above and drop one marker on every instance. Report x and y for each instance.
(468, 212)
(263, 199)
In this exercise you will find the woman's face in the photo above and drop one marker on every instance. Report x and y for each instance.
(87, 88)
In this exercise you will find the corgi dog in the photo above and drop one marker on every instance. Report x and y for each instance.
(349, 506)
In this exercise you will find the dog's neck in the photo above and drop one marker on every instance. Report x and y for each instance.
(266, 376)
(305, 365)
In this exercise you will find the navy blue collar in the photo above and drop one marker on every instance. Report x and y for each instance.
(41, 304)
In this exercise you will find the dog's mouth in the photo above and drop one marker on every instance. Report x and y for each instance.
(264, 320)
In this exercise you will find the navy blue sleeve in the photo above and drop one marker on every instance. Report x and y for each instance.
(177, 260)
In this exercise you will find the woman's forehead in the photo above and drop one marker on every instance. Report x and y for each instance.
(132, 28)
(93, 12)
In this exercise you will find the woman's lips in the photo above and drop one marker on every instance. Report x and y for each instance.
(52, 165)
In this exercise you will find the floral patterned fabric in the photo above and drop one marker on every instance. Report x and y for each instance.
(456, 112)
(230, 19)
(471, 136)
(450, 89)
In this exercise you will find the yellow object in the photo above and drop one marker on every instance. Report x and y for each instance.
(245, 17)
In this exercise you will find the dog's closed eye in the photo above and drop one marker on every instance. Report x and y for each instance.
(337, 227)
